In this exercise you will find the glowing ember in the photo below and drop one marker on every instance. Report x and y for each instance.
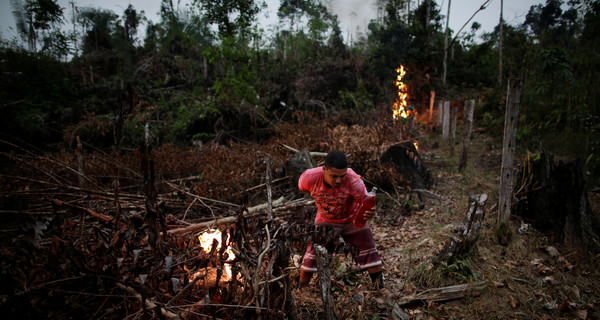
(416, 144)
(400, 107)
(206, 241)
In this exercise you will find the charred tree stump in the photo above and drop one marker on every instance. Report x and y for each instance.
(297, 163)
(466, 133)
(325, 282)
(462, 242)
(552, 197)
(405, 158)
(508, 154)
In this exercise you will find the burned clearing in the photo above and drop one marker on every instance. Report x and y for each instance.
(121, 236)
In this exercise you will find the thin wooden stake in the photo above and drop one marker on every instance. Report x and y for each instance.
(431, 103)
(453, 113)
(466, 134)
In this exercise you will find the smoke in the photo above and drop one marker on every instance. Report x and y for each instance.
(353, 15)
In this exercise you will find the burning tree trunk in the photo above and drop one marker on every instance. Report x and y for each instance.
(553, 198)
(431, 102)
(405, 158)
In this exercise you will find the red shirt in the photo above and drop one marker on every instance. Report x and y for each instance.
(335, 205)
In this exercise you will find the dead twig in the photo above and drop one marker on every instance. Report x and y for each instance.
(149, 304)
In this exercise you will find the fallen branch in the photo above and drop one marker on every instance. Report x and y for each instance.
(444, 293)
(149, 304)
(312, 153)
(103, 217)
(226, 220)
(199, 197)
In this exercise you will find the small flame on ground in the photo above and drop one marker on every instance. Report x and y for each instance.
(416, 144)
(206, 241)
(400, 107)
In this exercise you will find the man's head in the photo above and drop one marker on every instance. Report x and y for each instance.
(335, 168)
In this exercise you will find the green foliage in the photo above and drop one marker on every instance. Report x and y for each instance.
(37, 96)
(460, 270)
(187, 119)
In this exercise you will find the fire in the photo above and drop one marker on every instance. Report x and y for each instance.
(206, 241)
(400, 107)
(416, 144)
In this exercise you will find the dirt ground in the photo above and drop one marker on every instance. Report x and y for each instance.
(65, 254)
(529, 278)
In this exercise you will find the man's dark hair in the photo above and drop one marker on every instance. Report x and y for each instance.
(336, 159)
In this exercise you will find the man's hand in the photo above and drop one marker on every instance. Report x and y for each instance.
(369, 214)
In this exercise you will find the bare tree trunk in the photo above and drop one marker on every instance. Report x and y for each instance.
(269, 191)
(446, 126)
(431, 102)
(428, 13)
(500, 37)
(325, 282)
(80, 163)
(446, 44)
(466, 134)
(508, 152)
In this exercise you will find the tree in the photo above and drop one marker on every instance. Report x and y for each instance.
(220, 12)
(98, 25)
(39, 18)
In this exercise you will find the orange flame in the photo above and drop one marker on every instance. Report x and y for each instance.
(400, 107)
(206, 240)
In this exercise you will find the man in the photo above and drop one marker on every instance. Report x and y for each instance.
(337, 191)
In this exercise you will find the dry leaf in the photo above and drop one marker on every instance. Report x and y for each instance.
(498, 284)
(576, 292)
(564, 306)
(513, 302)
(581, 314)
(552, 251)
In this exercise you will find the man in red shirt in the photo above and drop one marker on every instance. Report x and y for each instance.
(337, 191)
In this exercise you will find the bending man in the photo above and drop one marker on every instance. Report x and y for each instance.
(337, 191)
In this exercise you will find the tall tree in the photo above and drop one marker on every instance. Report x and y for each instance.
(37, 18)
(221, 13)
(500, 38)
(446, 44)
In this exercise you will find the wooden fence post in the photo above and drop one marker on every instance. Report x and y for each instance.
(466, 134)
(508, 153)
(453, 113)
(440, 112)
(446, 125)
